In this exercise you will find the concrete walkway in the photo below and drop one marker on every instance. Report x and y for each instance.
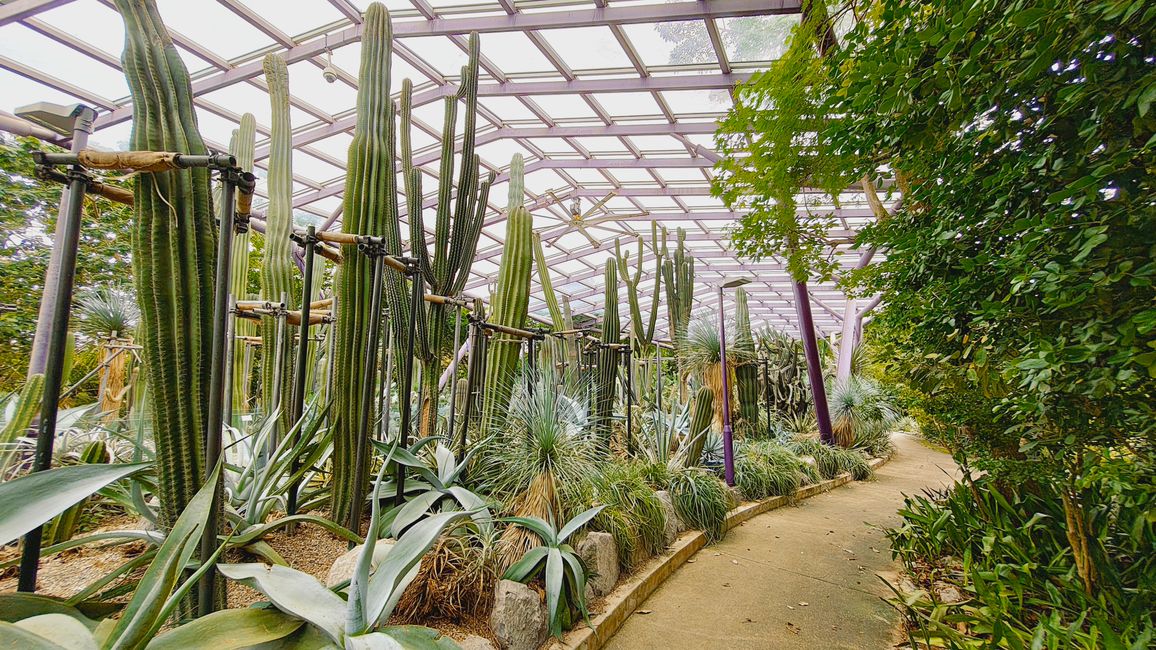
(796, 577)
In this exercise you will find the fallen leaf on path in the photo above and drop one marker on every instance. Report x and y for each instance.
(793, 629)
(644, 611)
(803, 603)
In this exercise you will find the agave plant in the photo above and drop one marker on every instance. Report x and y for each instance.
(668, 439)
(358, 621)
(565, 576)
(439, 486)
(41, 623)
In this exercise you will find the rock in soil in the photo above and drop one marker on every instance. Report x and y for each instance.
(519, 616)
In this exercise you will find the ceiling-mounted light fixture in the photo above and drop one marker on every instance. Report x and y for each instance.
(329, 72)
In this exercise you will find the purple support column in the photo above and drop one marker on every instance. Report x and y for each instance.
(814, 368)
(728, 433)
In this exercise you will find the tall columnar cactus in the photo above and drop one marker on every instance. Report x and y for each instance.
(510, 302)
(701, 418)
(606, 386)
(174, 240)
(747, 369)
(456, 229)
(643, 332)
(370, 208)
(557, 317)
(241, 145)
(678, 273)
(277, 266)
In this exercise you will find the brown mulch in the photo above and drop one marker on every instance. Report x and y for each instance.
(65, 574)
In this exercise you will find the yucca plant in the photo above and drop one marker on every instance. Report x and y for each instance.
(102, 312)
(701, 355)
(541, 459)
(861, 414)
(562, 569)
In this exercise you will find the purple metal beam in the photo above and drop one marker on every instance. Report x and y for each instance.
(20, 9)
(814, 366)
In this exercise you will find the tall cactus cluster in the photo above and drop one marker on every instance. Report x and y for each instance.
(277, 268)
(511, 301)
(746, 369)
(642, 334)
(241, 146)
(678, 273)
(606, 381)
(174, 239)
(458, 225)
(701, 417)
(370, 208)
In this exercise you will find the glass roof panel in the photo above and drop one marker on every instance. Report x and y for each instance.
(95, 23)
(305, 15)
(756, 38)
(680, 174)
(628, 103)
(439, 52)
(587, 47)
(29, 48)
(513, 52)
(306, 82)
(213, 27)
(562, 107)
(697, 101)
(678, 43)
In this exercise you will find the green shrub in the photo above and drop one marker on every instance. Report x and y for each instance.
(833, 461)
(701, 501)
(765, 469)
(632, 513)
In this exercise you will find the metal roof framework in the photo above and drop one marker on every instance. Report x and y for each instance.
(597, 95)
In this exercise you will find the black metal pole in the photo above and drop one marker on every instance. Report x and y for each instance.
(476, 346)
(406, 385)
(531, 367)
(767, 395)
(207, 586)
(629, 403)
(453, 380)
(69, 231)
(370, 364)
(302, 360)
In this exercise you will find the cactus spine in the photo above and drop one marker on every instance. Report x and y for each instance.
(456, 229)
(277, 266)
(606, 387)
(746, 369)
(174, 239)
(510, 302)
(678, 272)
(370, 208)
(701, 417)
(241, 146)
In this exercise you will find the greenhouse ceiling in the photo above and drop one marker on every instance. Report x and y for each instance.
(612, 104)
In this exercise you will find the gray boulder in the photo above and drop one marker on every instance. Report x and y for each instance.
(674, 525)
(519, 616)
(600, 555)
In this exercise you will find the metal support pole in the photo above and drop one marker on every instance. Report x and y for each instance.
(41, 339)
(298, 406)
(370, 364)
(472, 374)
(814, 369)
(531, 366)
(728, 433)
(68, 231)
(454, 374)
(767, 394)
(406, 385)
(386, 389)
(629, 403)
(207, 585)
(230, 349)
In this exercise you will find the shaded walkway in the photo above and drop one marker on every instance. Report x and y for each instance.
(796, 577)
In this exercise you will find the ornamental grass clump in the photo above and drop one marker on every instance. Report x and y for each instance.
(833, 461)
(632, 514)
(765, 469)
(702, 501)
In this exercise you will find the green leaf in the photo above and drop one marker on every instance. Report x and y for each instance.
(17, 638)
(417, 637)
(228, 630)
(555, 582)
(61, 629)
(521, 570)
(34, 499)
(18, 605)
(578, 522)
(293, 592)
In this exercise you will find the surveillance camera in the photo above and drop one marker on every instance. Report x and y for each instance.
(329, 73)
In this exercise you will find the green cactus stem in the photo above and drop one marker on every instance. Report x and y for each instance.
(510, 302)
(174, 240)
(606, 381)
(370, 208)
(701, 417)
(678, 273)
(241, 146)
(747, 369)
(457, 227)
(277, 266)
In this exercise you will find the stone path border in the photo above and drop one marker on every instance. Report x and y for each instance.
(632, 592)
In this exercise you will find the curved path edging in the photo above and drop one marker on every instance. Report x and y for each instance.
(631, 593)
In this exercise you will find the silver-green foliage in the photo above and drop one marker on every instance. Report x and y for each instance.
(564, 574)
